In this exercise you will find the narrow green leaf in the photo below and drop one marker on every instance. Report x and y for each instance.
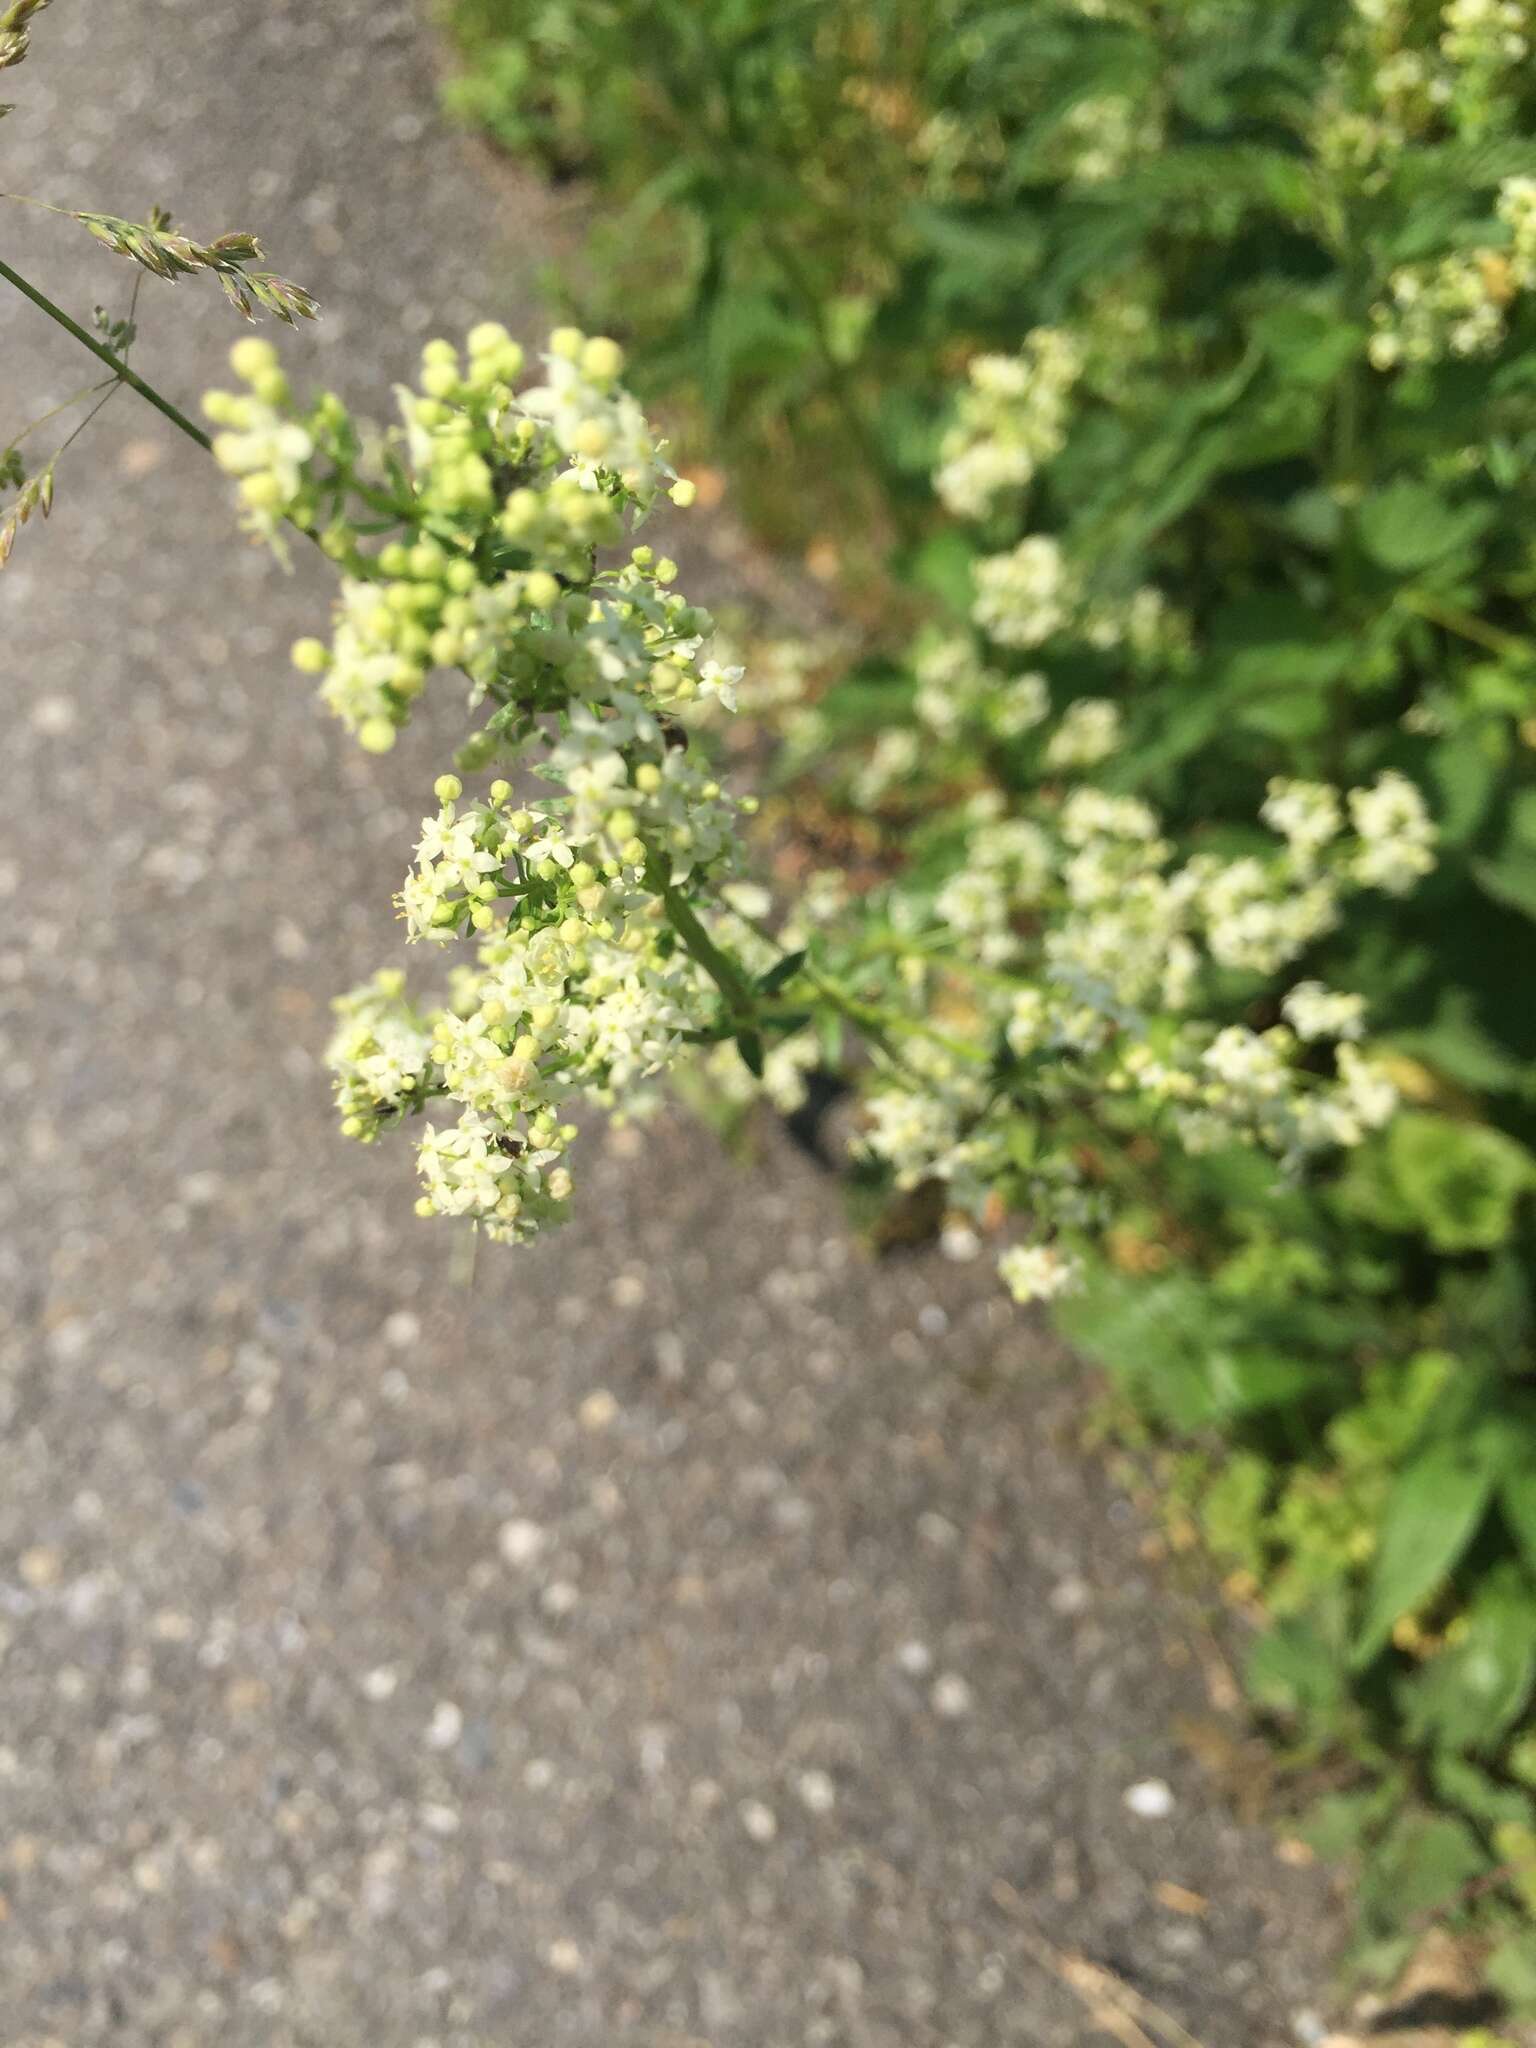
(1432, 1514)
(782, 971)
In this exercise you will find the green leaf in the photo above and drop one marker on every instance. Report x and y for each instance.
(1467, 773)
(1460, 1181)
(1510, 879)
(1432, 1513)
(1456, 1045)
(942, 566)
(782, 971)
(1407, 525)
(1511, 1969)
(1517, 1503)
(750, 1046)
(1422, 1862)
(1293, 1671)
(1308, 347)
(1469, 1695)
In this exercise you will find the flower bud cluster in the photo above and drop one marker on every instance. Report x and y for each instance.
(591, 969)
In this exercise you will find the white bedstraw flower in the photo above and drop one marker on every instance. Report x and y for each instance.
(1396, 831)
(1039, 1272)
(1307, 815)
(1089, 731)
(1026, 595)
(1011, 420)
(1313, 1011)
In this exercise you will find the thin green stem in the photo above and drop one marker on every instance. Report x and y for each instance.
(102, 354)
(64, 404)
(732, 982)
(1454, 620)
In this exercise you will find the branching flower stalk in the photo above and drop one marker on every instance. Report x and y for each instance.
(1076, 971)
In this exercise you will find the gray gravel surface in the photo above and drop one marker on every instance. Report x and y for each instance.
(680, 1633)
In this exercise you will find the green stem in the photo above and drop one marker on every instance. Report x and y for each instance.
(85, 391)
(1454, 620)
(114, 363)
(740, 996)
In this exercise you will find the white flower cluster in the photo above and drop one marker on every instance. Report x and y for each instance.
(1010, 420)
(1458, 306)
(1485, 35)
(1039, 1272)
(958, 693)
(1103, 137)
(593, 966)
(1035, 592)
(1103, 963)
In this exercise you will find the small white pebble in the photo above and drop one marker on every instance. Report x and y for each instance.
(951, 1696)
(379, 1684)
(1152, 1799)
(41, 1565)
(1070, 1596)
(760, 1822)
(520, 1541)
(932, 1320)
(442, 1820)
(915, 1658)
(53, 715)
(817, 1791)
(559, 1598)
(445, 1726)
(402, 1329)
(960, 1243)
(564, 1958)
(598, 1410)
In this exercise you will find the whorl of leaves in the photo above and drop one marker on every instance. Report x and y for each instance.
(157, 248)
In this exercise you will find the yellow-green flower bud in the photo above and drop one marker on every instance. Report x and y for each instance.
(447, 789)
(310, 656)
(376, 735)
(683, 492)
(567, 343)
(601, 357)
(262, 491)
(487, 337)
(252, 357)
(500, 791)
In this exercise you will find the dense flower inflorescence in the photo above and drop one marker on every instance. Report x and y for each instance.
(592, 967)
(1010, 419)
